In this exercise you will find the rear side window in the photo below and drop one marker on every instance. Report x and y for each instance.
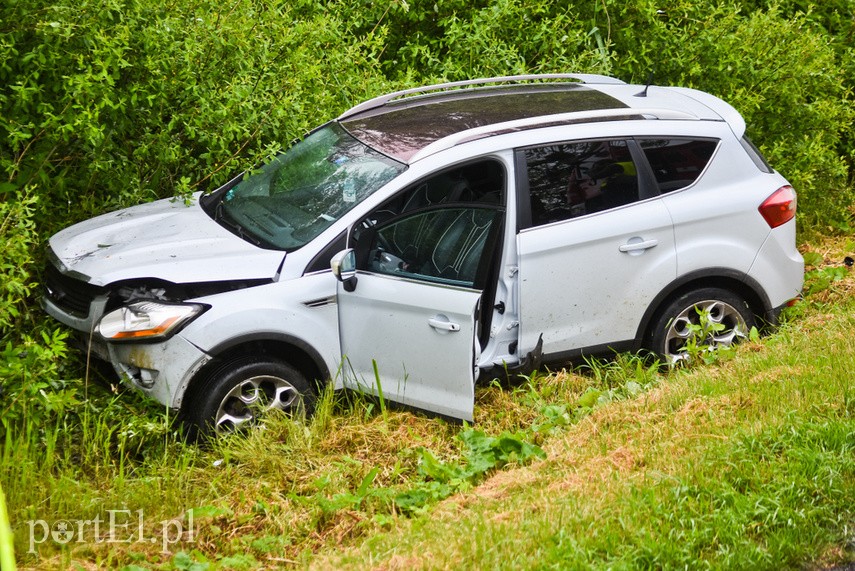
(755, 155)
(574, 179)
(677, 163)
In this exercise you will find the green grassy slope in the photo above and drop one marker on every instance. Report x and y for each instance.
(746, 463)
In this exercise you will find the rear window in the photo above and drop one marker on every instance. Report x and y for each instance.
(677, 163)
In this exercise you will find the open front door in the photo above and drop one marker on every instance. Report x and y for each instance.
(421, 338)
(410, 306)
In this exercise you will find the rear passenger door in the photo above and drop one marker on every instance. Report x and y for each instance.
(595, 245)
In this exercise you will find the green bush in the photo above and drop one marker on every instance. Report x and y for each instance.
(111, 103)
(30, 352)
(782, 73)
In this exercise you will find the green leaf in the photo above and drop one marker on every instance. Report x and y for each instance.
(812, 259)
(754, 335)
(589, 398)
(211, 511)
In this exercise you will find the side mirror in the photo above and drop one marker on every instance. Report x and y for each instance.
(343, 267)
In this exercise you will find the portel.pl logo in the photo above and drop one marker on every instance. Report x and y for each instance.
(119, 526)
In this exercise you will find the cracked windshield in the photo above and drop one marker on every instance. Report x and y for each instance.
(301, 192)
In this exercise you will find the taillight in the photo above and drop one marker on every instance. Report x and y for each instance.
(780, 207)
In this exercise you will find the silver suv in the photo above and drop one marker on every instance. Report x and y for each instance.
(434, 236)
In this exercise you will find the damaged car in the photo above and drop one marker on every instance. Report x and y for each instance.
(433, 237)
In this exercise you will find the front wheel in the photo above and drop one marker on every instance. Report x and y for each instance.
(238, 393)
(708, 319)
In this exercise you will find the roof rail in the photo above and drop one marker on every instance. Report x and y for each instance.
(383, 99)
(552, 120)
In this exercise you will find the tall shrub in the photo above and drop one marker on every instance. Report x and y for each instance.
(108, 103)
(111, 102)
(32, 390)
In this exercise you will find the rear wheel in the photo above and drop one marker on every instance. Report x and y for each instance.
(707, 318)
(235, 395)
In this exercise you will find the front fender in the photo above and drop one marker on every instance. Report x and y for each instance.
(302, 312)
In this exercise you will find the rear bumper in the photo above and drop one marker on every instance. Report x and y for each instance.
(779, 268)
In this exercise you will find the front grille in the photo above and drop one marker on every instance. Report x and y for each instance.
(69, 294)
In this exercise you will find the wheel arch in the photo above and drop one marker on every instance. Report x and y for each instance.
(291, 350)
(725, 278)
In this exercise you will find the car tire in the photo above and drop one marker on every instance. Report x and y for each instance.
(670, 330)
(236, 394)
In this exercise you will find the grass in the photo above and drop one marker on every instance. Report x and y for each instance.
(748, 463)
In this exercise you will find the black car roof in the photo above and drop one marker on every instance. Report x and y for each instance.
(402, 128)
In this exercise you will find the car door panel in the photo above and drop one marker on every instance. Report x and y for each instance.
(412, 307)
(587, 281)
(421, 337)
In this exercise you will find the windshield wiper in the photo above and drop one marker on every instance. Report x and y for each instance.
(221, 216)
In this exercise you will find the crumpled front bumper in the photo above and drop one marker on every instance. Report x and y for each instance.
(161, 370)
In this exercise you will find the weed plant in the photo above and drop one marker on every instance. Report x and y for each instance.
(292, 486)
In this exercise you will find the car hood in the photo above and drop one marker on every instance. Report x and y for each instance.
(165, 239)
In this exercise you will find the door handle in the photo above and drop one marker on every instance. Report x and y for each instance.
(632, 246)
(443, 324)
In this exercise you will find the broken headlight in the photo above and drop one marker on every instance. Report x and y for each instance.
(147, 320)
